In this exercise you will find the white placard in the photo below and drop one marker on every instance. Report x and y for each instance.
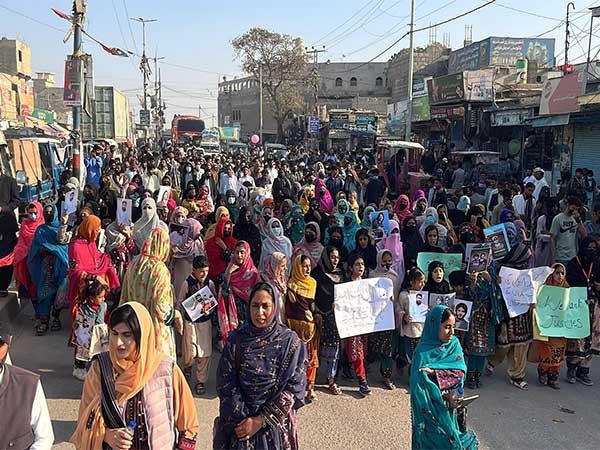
(200, 303)
(164, 194)
(364, 306)
(519, 287)
(69, 206)
(124, 212)
(418, 305)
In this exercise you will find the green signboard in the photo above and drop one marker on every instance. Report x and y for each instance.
(43, 114)
(420, 109)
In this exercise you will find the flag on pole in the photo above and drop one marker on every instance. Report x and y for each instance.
(61, 14)
(114, 51)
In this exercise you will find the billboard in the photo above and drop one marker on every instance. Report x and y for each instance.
(446, 89)
(479, 85)
(559, 95)
(420, 109)
(471, 57)
(72, 85)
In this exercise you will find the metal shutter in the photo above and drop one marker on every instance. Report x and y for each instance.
(586, 150)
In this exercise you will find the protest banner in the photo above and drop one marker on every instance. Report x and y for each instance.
(364, 306)
(451, 261)
(519, 287)
(563, 312)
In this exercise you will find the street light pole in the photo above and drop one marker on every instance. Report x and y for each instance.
(411, 55)
(144, 63)
(78, 15)
(260, 107)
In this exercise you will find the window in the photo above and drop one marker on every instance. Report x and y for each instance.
(378, 81)
(20, 56)
(338, 82)
(353, 82)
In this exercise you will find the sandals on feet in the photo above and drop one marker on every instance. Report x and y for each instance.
(41, 329)
(521, 384)
(334, 389)
(200, 389)
(56, 325)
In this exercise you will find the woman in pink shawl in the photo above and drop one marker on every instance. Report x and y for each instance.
(394, 245)
(85, 259)
(402, 207)
(35, 217)
(324, 196)
(311, 244)
(239, 279)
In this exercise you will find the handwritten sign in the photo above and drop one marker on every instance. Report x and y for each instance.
(364, 306)
(519, 287)
(563, 312)
(451, 261)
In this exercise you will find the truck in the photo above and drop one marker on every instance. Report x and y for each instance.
(110, 118)
(35, 162)
(186, 129)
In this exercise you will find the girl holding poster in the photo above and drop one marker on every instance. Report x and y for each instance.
(410, 332)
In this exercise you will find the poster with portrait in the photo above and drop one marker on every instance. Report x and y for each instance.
(441, 299)
(124, 206)
(479, 258)
(380, 223)
(200, 304)
(418, 305)
(164, 194)
(497, 238)
(462, 312)
(69, 205)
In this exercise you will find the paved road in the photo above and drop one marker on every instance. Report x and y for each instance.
(504, 418)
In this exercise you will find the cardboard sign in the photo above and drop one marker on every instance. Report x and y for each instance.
(451, 261)
(563, 312)
(496, 236)
(200, 304)
(364, 306)
(519, 287)
(418, 305)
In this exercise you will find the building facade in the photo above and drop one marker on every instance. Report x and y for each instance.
(16, 91)
(15, 58)
(50, 98)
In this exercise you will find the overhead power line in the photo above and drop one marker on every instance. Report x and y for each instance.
(129, 25)
(344, 23)
(52, 27)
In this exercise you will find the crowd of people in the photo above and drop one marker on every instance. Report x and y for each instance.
(263, 243)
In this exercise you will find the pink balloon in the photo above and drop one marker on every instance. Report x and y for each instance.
(255, 139)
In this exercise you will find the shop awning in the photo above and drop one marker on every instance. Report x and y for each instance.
(549, 121)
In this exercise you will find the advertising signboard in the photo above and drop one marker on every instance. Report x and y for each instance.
(72, 85)
(479, 85)
(420, 109)
(559, 95)
(446, 89)
(471, 57)
(338, 120)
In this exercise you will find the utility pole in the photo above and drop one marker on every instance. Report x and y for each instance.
(567, 33)
(157, 104)
(411, 55)
(260, 106)
(78, 16)
(315, 57)
(144, 67)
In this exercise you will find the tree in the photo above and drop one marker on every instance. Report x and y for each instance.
(284, 66)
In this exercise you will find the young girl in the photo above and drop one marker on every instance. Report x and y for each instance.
(89, 312)
(410, 332)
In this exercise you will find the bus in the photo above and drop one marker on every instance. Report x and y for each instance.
(186, 128)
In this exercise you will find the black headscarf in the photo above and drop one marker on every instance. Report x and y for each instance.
(431, 285)
(245, 230)
(583, 264)
(411, 243)
(432, 248)
(327, 277)
(369, 253)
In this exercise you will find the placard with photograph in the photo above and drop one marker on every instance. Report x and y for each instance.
(164, 194)
(497, 238)
(69, 205)
(462, 312)
(418, 305)
(200, 304)
(480, 258)
(441, 299)
(124, 206)
(380, 223)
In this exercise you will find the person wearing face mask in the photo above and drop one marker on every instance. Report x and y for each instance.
(314, 214)
(310, 246)
(246, 230)
(47, 262)
(412, 243)
(274, 241)
(323, 196)
(25, 420)
(233, 205)
(381, 343)
(176, 226)
(149, 220)
(393, 243)
(402, 207)
(431, 219)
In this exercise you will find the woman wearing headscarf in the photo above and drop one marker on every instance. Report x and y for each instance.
(47, 262)
(294, 224)
(323, 196)
(432, 219)
(402, 207)
(366, 220)
(147, 223)
(458, 214)
(310, 246)
(120, 246)
(221, 212)
(245, 230)
(184, 252)
(276, 274)
(219, 249)
(412, 243)
(238, 281)
(233, 204)
(514, 334)
(189, 202)
(261, 381)
(365, 247)
(327, 274)
(135, 383)
(299, 303)
(205, 204)
(384, 343)
(431, 244)
(420, 206)
(350, 227)
(393, 243)
(551, 349)
(306, 197)
(148, 281)
(176, 228)
(29, 225)
(86, 260)
(274, 241)
(438, 371)
(341, 208)
(435, 279)
(315, 214)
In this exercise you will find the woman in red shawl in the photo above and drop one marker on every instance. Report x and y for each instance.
(35, 217)
(86, 260)
(402, 208)
(239, 280)
(219, 248)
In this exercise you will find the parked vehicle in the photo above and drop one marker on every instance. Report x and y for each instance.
(276, 151)
(186, 128)
(398, 159)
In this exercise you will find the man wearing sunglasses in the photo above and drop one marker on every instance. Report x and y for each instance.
(25, 421)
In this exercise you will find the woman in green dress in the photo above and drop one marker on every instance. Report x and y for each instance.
(437, 374)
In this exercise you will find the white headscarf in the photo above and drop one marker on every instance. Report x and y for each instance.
(149, 220)
(272, 244)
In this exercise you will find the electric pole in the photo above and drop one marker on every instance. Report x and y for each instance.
(157, 104)
(144, 67)
(260, 106)
(78, 16)
(411, 55)
(567, 33)
(315, 57)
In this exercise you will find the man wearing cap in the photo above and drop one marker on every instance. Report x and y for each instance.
(540, 182)
(24, 421)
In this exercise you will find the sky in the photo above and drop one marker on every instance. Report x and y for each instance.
(194, 36)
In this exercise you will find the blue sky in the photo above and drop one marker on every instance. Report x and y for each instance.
(197, 34)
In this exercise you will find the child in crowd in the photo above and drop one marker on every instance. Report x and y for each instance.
(197, 335)
(457, 285)
(410, 332)
(89, 311)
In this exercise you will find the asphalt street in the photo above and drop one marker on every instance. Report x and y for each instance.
(503, 418)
